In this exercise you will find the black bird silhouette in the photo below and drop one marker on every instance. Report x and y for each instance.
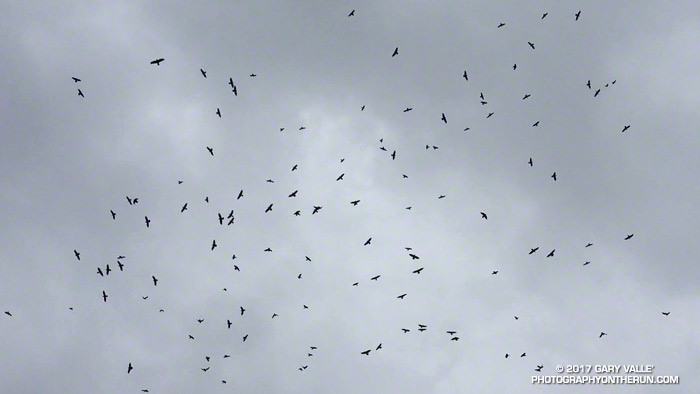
(578, 14)
(551, 254)
(240, 194)
(515, 66)
(184, 208)
(356, 283)
(107, 270)
(418, 271)
(454, 339)
(129, 368)
(596, 93)
(269, 208)
(316, 209)
(158, 61)
(536, 124)
(205, 369)
(221, 218)
(663, 313)
(588, 84)
(544, 15)
(516, 318)
(155, 280)
(99, 271)
(523, 355)
(539, 368)
(586, 263)
(8, 313)
(77, 254)
(293, 194)
(218, 112)
(501, 25)
(483, 215)
(352, 13)
(530, 162)
(629, 236)
(451, 332)
(213, 244)
(294, 168)
(253, 75)
(228, 323)
(440, 197)
(379, 347)
(405, 330)
(601, 334)
(340, 178)
(526, 96)
(531, 45)
(191, 337)
(494, 272)
(76, 80)
(369, 241)
(533, 250)
(104, 296)
(402, 296)
(625, 128)
(408, 109)
(211, 150)
(274, 315)
(444, 119)
(413, 256)
(114, 215)
(200, 321)
(80, 93)
(267, 250)
(204, 73)
(366, 352)
(242, 311)
(393, 155)
(375, 278)
(354, 203)
(507, 355)
(465, 75)
(489, 115)
(554, 176)
(121, 266)
(297, 213)
(396, 52)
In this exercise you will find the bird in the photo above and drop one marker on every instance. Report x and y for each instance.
(523, 355)
(297, 213)
(352, 13)
(396, 52)
(218, 112)
(489, 115)
(221, 218)
(274, 315)
(8, 313)
(629, 236)
(465, 75)
(539, 368)
(253, 75)
(515, 66)
(121, 266)
(663, 313)
(369, 241)
(114, 215)
(99, 271)
(316, 209)
(129, 368)
(77, 254)
(269, 208)
(299, 276)
(588, 244)
(375, 277)
(200, 321)
(356, 283)
(267, 250)
(228, 323)
(530, 162)
(293, 194)
(544, 15)
(104, 296)
(204, 73)
(531, 45)
(413, 256)
(483, 215)
(507, 355)
(240, 194)
(211, 150)
(184, 208)
(405, 330)
(354, 203)
(588, 84)
(408, 109)
(418, 271)
(596, 93)
(205, 369)
(340, 178)
(601, 334)
(451, 332)
(586, 263)
(402, 296)
(155, 280)
(366, 352)
(501, 25)
(393, 155)
(533, 250)
(454, 339)
(444, 119)
(242, 311)
(625, 128)
(76, 80)
(536, 124)
(526, 96)
(107, 270)
(213, 244)
(440, 197)
(494, 272)
(294, 168)
(379, 347)
(551, 254)
(80, 93)
(554, 176)
(191, 337)
(157, 61)
(578, 14)
(516, 318)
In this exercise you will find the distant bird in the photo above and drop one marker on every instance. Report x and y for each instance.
(191, 337)
(515, 66)
(211, 150)
(586, 263)
(588, 84)
(578, 14)
(297, 213)
(299, 276)
(530, 162)
(305, 307)
(77, 254)
(242, 311)
(588, 244)
(536, 124)
(375, 277)
(451, 332)
(121, 266)
(8, 313)
(554, 176)
(228, 324)
(253, 75)
(408, 109)
(267, 250)
(114, 215)
(148, 221)
(489, 115)
(356, 283)
(629, 237)
(366, 352)
(240, 194)
(483, 215)
(205, 369)
(352, 13)
(294, 168)
(601, 334)
(157, 61)
(316, 209)
(551, 254)
(218, 112)
(269, 208)
(200, 321)
(405, 330)
(76, 80)
(418, 271)
(539, 368)
(104, 296)
(293, 194)
(544, 15)
(340, 178)
(597, 92)
(533, 250)
(204, 73)
(531, 45)
(523, 355)
(129, 368)
(494, 272)
(155, 280)
(213, 244)
(454, 339)
(107, 270)
(354, 203)
(402, 296)
(663, 313)
(184, 208)
(526, 96)
(80, 93)
(369, 241)
(507, 355)
(274, 315)
(444, 119)
(379, 347)
(396, 52)
(625, 128)
(393, 155)
(440, 197)
(99, 271)
(465, 75)
(413, 256)
(362, 108)
(501, 25)
(516, 318)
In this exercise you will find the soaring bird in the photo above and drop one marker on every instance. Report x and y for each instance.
(129, 368)
(393, 155)
(76, 80)
(242, 311)
(530, 162)
(121, 266)
(515, 66)
(369, 241)
(588, 244)
(352, 13)
(451, 332)
(340, 178)
(408, 109)
(597, 92)
(114, 215)
(405, 330)
(375, 277)
(293, 194)
(269, 208)
(545, 15)
(253, 75)
(629, 236)
(99, 271)
(184, 208)
(418, 271)
(148, 221)
(551, 254)
(157, 61)
(588, 84)
(295, 167)
(211, 150)
(104, 296)
(8, 313)
(440, 197)
(366, 352)
(483, 215)
(413, 256)
(454, 339)
(601, 334)
(494, 272)
(531, 45)
(663, 313)
(316, 209)
(523, 355)
(379, 347)
(396, 52)
(107, 270)
(465, 75)
(533, 250)
(489, 115)
(213, 244)
(501, 25)
(444, 119)
(77, 254)
(402, 296)
(354, 203)
(80, 93)
(204, 73)
(155, 280)
(625, 128)
(228, 323)
(536, 124)
(218, 112)
(578, 14)
(586, 263)
(554, 176)
(526, 96)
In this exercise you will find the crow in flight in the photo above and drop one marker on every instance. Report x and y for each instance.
(157, 61)
(545, 15)
(352, 13)
(483, 215)
(293, 194)
(588, 244)
(629, 236)
(625, 128)
(77, 254)
(413, 256)
(104, 296)
(408, 109)
(663, 313)
(213, 244)
(366, 352)
(155, 280)
(554, 176)
(114, 215)
(551, 254)
(396, 52)
(211, 150)
(340, 178)
(184, 208)
(465, 75)
(601, 334)
(76, 80)
(8, 313)
(533, 250)
(375, 278)
(578, 14)
(444, 119)
(242, 311)
(240, 194)
(316, 209)
(588, 84)
(80, 93)
(129, 368)
(354, 203)
(530, 162)
(204, 73)
(531, 45)
(418, 271)
(501, 25)
(369, 241)
(269, 208)
(402, 296)
(218, 112)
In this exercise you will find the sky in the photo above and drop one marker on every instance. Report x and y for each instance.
(66, 161)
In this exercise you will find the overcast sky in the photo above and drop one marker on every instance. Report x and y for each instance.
(66, 161)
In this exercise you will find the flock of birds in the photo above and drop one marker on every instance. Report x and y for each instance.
(229, 219)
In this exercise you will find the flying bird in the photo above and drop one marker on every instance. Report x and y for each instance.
(531, 45)
(530, 162)
(578, 14)
(533, 250)
(465, 75)
(211, 150)
(352, 13)
(340, 178)
(402, 296)
(269, 208)
(316, 209)
(396, 52)
(663, 313)
(218, 112)
(369, 241)
(114, 215)
(418, 271)
(76, 80)
(483, 215)
(366, 352)
(77, 254)
(501, 25)
(444, 119)
(375, 278)
(629, 237)
(129, 368)
(80, 93)
(625, 128)
(148, 221)
(601, 334)
(354, 203)
(104, 296)
(184, 208)
(544, 15)
(155, 280)
(204, 73)
(554, 176)
(157, 61)
(551, 254)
